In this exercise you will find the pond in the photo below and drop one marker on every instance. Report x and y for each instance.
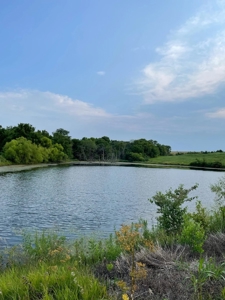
(85, 200)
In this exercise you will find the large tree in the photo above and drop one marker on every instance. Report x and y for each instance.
(22, 151)
(61, 136)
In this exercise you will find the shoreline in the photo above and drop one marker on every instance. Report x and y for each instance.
(19, 168)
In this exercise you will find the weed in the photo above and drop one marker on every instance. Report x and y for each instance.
(207, 271)
(130, 238)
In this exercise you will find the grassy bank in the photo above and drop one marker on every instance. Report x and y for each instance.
(48, 267)
(182, 257)
(186, 159)
(201, 159)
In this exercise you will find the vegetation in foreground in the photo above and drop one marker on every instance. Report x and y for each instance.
(182, 257)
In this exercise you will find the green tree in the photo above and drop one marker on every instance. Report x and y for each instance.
(56, 153)
(45, 142)
(76, 149)
(104, 148)
(89, 148)
(22, 151)
(26, 130)
(61, 136)
(131, 156)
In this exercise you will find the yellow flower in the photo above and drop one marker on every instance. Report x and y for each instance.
(125, 297)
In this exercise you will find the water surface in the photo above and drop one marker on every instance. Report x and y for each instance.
(79, 200)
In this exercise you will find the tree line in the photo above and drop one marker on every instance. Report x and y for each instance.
(24, 144)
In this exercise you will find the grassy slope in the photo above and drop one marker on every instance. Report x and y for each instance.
(186, 159)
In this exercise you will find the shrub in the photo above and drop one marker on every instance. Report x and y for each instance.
(192, 234)
(170, 208)
(132, 156)
(219, 189)
(201, 216)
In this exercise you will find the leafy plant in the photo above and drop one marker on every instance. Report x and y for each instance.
(91, 251)
(201, 216)
(219, 189)
(207, 270)
(170, 208)
(45, 246)
(192, 234)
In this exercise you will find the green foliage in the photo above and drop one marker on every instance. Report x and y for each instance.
(45, 246)
(3, 161)
(203, 163)
(201, 216)
(46, 267)
(61, 136)
(219, 189)
(217, 220)
(135, 157)
(92, 251)
(22, 151)
(145, 149)
(192, 234)
(102, 149)
(46, 142)
(170, 208)
(186, 158)
(207, 271)
(46, 281)
(56, 154)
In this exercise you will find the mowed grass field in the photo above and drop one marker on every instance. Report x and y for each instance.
(187, 158)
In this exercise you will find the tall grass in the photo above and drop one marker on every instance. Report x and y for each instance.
(45, 266)
(137, 262)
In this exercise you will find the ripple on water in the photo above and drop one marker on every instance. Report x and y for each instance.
(80, 200)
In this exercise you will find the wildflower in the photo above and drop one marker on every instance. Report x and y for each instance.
(72, 274)
(125, 297)
(122, 285)
(53, 268)
(67, 257)
(139, 264)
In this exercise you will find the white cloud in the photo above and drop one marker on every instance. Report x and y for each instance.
(192, 62)
(219, 114)
(49, 111)
(75, 107)
(26, 100)
(101, 73)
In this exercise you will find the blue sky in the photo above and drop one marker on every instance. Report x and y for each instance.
(126, 69)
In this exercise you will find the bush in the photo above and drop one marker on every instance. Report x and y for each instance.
(201, 216)
(206, 164)
(192, 234)
(135, 156)
(219, 189)
(170, 208)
